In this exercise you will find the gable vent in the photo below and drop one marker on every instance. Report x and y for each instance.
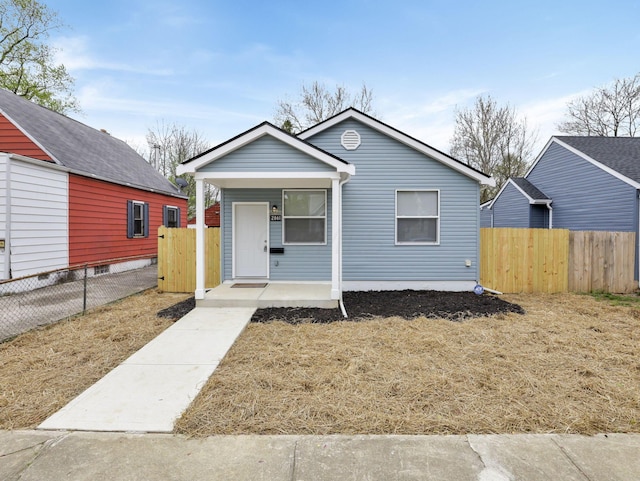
(350, 139)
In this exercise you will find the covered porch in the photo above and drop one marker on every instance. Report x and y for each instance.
(267, 294)
(254, 172)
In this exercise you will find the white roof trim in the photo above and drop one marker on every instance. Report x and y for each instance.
(531, 199)
(400, 137)
(256, 133)
(38, 162)
(527, 196)
(266, 175)
(584, 156)
(30, 137)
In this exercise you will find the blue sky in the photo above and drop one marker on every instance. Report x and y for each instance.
(219, 67)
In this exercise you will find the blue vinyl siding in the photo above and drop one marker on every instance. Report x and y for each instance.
(584, 196)
(267, 154)
(485, 217)
(539, 217)
(384, 165)
(299, 262)
(511, 209)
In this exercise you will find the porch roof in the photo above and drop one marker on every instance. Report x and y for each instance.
(339, 168)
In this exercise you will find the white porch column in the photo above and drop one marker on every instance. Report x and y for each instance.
(200, 247)
(336, 237)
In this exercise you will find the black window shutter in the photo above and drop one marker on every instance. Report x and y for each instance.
(178, 223)
(129, 219)
(165, 216)
(146, 220)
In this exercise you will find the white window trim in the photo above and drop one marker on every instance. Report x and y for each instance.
(437, 242)
(305, 217)
(177, 210)
(141, 204)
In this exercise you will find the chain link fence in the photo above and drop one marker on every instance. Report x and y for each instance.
(48, 297)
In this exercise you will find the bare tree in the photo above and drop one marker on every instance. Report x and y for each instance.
(317, 103)
(27, 66)
(168, 146)
(494, 140)
(610, 111)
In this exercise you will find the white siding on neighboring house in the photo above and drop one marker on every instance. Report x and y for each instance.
(39, 219)
(3, 213)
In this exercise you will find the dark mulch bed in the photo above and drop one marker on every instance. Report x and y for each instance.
(178, 310)
(455, 306)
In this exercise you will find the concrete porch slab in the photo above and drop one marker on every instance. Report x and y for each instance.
(273, 295)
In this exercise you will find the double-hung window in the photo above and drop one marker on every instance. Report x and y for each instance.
(137, 219)
(304, 216)
(171, 216)
(417, 217)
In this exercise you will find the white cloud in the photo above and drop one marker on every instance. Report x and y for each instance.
(431, 121)
(74, 53)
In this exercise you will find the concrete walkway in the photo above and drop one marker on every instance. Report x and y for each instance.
(151, 389)
(40, 455)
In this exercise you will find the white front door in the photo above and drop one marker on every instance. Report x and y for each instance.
(250, 239)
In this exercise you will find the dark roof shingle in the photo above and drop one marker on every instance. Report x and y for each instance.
(83, 149)
(621, 154)
(530, 189)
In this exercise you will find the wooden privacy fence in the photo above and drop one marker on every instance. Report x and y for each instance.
(177, 259)
(556, 260)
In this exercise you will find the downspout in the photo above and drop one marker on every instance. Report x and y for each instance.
(550, 215)
(340, 300)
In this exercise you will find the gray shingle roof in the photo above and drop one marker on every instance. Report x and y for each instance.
(621, 154)
(530, 189)
(81, 148)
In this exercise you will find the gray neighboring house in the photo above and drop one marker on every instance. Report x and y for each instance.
(351, 201)
(575, 183)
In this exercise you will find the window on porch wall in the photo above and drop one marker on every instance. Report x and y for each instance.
(304, 216)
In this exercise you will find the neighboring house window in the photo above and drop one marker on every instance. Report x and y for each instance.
(417, 217)
(137, 219)
(304, 216)
(170, 216)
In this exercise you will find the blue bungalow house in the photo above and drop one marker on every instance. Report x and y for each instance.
(575, 183)
(351, 202)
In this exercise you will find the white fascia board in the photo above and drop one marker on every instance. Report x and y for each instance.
(608, 170)
(30, 137)
(400, 137)
(529, 198)
(261, 131)
(40, 163)
(537, 159)
(504, 186)
(266, 175)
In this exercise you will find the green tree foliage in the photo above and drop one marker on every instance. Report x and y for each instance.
(316, 103)
(609, 111)
(493, 140)
(27, 65)
(169, 146)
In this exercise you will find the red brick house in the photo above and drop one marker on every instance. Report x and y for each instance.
(71, 194)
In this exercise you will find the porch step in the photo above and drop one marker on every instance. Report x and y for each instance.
(264, 303)
(272, 295)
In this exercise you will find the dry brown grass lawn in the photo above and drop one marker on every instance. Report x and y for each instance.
(570, 365)
(44, 369)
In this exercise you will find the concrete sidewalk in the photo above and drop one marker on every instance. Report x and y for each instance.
(151, 389)
(78, 456)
